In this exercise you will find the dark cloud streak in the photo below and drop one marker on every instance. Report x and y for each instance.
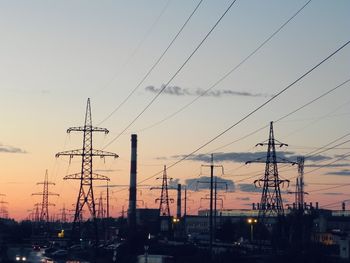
(178, 91)
(194, 185)
(344, 172)
(11, 149)
(242, 157)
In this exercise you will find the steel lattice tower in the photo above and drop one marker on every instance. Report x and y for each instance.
(3, 209)
(37, 213)
(271, 200)
(63, 214)
(299, 189)
(86, 176)
(44, 213)
(164, 207)
(100, 211)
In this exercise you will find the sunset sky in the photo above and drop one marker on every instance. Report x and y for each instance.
(57, 54)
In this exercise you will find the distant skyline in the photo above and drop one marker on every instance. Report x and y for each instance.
(56, 55)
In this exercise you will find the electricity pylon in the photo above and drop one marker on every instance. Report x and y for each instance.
(164, 199)
(44, 213)
(271, 200)
(299, 193)
(299, 185)
(3, 209)
(37, 213)
(100, 210)
(86, 175)
(63, 214)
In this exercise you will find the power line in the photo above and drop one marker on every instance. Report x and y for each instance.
(337, 160)
(334, 203)
(285, 116)
(329, 188)
(154, 65)
(308, 155)
(146, 35)
(229, 72)
(176, 73)
(254, 111)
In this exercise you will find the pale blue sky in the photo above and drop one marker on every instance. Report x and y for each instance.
(56, 54)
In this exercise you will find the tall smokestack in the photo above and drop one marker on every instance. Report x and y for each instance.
(178, 210)
(132, 188)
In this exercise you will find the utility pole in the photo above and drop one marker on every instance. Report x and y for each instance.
(185, 204)
(107, 200)
(211, 203)
(271, 200)
(86, 175)
(44, 214)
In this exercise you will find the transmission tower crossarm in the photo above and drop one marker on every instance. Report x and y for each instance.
(50, 193)
(70, 153)
(155, 188)
(87, 128)
(80, 152)
(103, 154)
(159, 199)
(96, 176)
(78, 176)
(46, 183)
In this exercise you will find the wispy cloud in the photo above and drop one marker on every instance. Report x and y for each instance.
(344, 172)
(202, 183)
(249, 188)
(242, 157)
(333, 193)
(10, 149)
(173, 183)
(329, 165)
(243, 198)
(179, 91)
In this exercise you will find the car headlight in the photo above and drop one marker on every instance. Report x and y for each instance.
(18, 258)
(24, 258)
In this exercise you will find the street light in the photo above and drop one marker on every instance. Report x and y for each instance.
(252, 222)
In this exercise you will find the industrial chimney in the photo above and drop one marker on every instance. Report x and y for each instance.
(132, 187)
(178, 210)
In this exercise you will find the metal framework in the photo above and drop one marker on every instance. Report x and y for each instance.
(44, 212)
(37, 212)
(3, 209)
(271, 203)
(211, 200)
(164, 199)
(63, 214)
(86, 175)
(100, 210)
(299, 191)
